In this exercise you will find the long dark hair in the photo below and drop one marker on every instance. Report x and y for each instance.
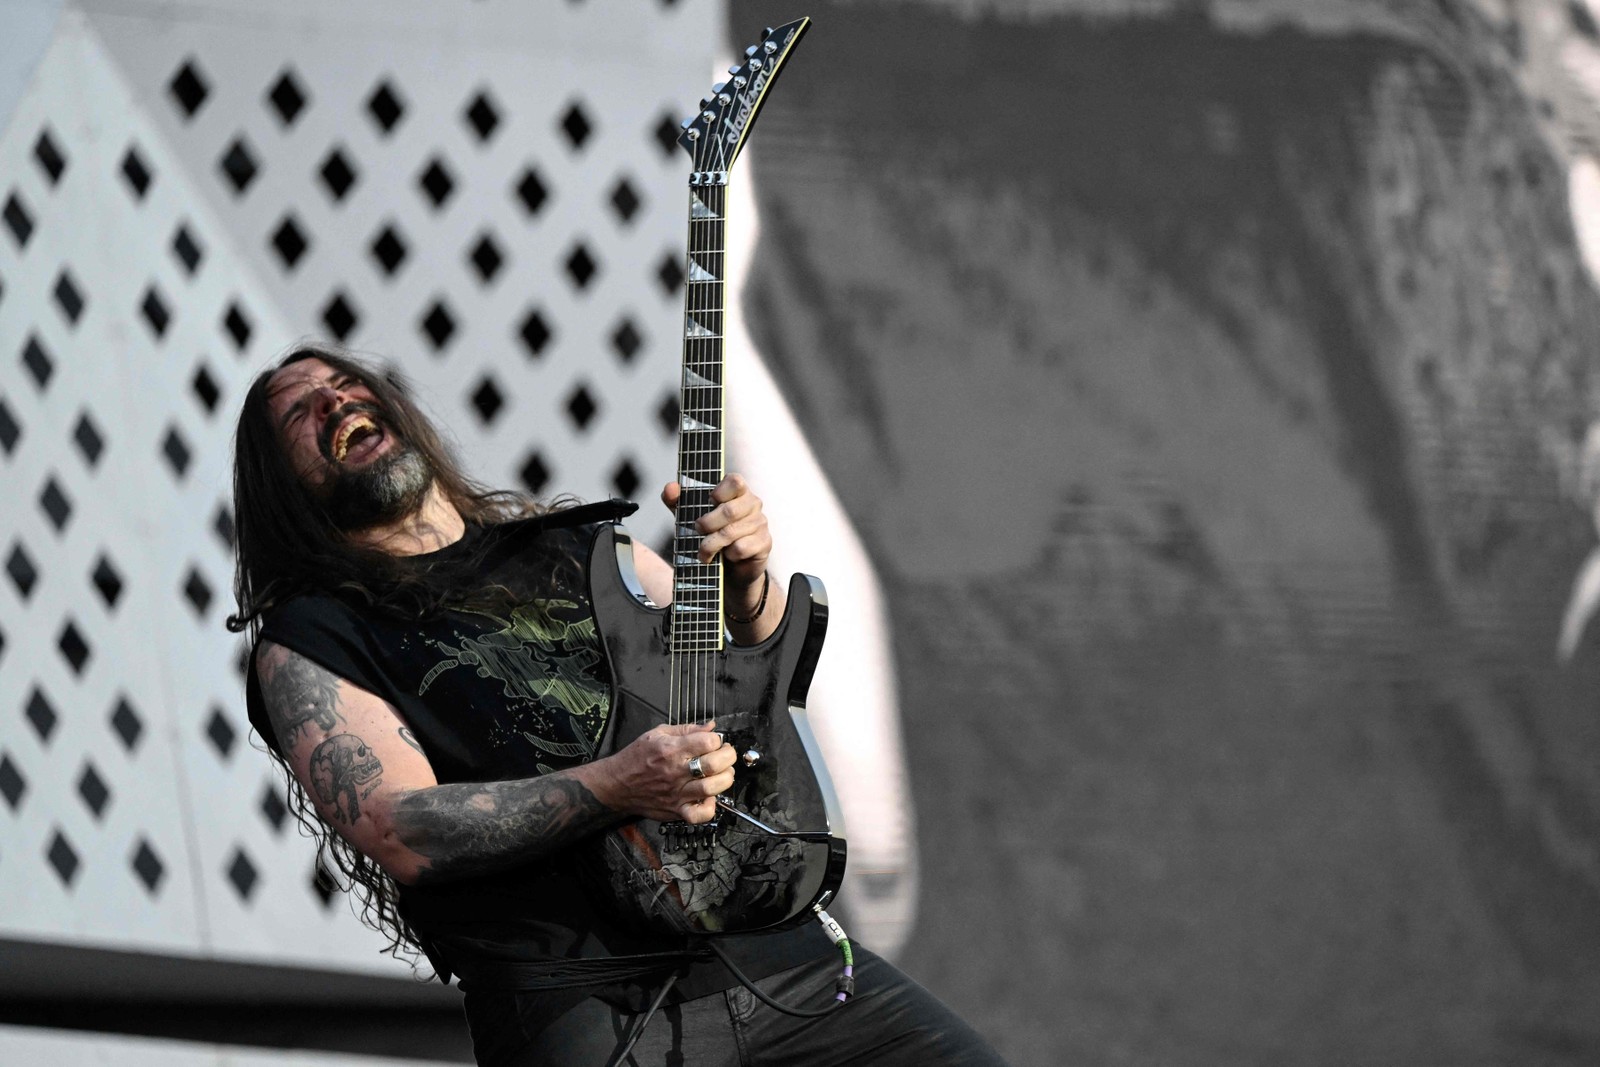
(285, 545)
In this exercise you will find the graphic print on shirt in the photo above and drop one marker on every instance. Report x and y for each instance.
(539, 660)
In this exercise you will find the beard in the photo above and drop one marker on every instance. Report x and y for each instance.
(389, 488)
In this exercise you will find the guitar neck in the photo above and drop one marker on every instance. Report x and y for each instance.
(697, 620)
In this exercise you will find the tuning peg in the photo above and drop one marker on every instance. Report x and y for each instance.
(709, 116)
(739, 82)
(705, 102)
(770, 47)
(755, 64)
(724, 99)
(752, 50)
(734, 69)
(686, 123)
(717, 88)
(766, 33)
(693, 134)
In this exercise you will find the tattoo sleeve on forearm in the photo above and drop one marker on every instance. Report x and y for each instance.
(478, 827)
(299, 694)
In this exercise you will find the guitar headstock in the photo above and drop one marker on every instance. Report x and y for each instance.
(714, 137)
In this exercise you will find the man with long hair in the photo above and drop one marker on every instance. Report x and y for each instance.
(427, 670)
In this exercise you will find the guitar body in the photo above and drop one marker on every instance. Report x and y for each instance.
(730, 875)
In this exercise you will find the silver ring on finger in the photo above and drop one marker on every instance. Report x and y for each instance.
(695, 770)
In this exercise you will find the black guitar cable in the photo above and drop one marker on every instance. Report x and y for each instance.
(844, 986)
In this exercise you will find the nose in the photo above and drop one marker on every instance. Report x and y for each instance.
(325, 399)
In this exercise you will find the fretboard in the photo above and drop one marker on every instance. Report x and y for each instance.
(697, 587)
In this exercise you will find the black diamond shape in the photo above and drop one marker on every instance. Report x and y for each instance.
(186, 249)
(286, 97)
(68, 299)
(62, 858)
(136, 172)
(534, 473)
(125, 721)
(482, 116)
(87, 437)
(10, 429)
(41, 715)
(436, 183)
(670, 275)
(439, 325)
(385, 107)
(205, 389)
(668, 415)
(222, 525)
(154, 310)
(581, 407)
(54, 503)
(93, 790)
(290, 242)
(323, 884)
(389, 249)
(48, 155)
(625, 479)
(176, 451)
(625, 340)
(575, 124)
(12, 784)
(74, 649)
(147, 866)
(487, 400)
(242, 873)
(197, 592)
(107, 581)
(486, 258)
(624, 200)
(21, 570)
(18, 220)
(188, 88)
(667, 133)
(237, 326)
(273, 808)
(535, 332)
(581, 267)
(220, 733)
(340, 317)
(531, 191)
(238, 166)
(337, 174)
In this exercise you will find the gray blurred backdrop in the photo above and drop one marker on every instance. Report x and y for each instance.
(1211, 384)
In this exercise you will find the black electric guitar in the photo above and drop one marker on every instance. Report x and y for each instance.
(776, 846)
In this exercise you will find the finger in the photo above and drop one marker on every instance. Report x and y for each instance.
(728, 513)
(698, 811)
(670, 494)
(722, 759)
(747, 540)
(710, 785)
(730, 487)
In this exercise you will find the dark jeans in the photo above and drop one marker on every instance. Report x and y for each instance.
(890, 1021)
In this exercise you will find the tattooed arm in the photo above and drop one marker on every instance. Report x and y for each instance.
(360, 765)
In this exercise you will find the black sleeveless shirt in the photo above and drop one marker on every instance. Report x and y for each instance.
(499, 696)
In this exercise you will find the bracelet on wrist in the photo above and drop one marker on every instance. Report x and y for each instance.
(761, 605)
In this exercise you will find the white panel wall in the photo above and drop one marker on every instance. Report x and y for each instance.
(133, 813)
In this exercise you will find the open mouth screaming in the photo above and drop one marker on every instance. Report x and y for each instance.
(352, 433)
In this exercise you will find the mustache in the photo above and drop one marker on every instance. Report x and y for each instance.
(330, 425)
